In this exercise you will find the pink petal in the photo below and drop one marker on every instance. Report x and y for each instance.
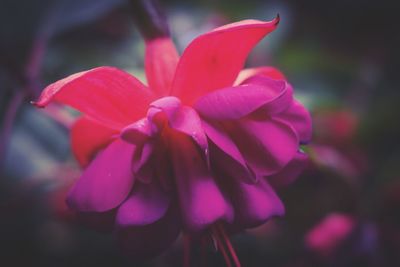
(106, 94)
(266, 145)
(160, 64)
(232, 103)
(87, 138)
(202, 202)
(106, 182)
(299, 117)
(146, 204)
(213, 60)
(144, 242)
(291, 171)
(254, 204)
(269, 72)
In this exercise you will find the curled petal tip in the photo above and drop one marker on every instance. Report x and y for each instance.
(36, 104)
(277, 19)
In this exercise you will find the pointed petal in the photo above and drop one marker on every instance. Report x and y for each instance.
(202, 202)
(269, 72)
(146, 204)
(266, 145)
(300, 119)
(87, 138)
(106, 94)
(290, 172)
(271, 96)
(213, 60)
(160, 64)
(254, 204)
(106, 182)
(144, 242)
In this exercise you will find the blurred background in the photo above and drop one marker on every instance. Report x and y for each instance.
(342, 58)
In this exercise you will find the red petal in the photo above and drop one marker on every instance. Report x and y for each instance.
(270, 72)
(87, 138)
(213, 60)
(106, 94)
(160, 65)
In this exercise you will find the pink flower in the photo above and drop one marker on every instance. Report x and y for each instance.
(194, 150)
(325, 237)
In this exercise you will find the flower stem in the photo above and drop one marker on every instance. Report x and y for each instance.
(150, 19)
(186, 250)
(225, 246)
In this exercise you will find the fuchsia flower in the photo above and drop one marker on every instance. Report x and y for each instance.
(330, 233)
(194, 150)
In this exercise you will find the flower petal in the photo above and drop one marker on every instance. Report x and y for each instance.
(138, 132)
(202, 202)
(181, 118)
(269, 72)
(266, 145)
(213, 60)
(106, 94)
(106, 182)
(146, 204)
(299, 117)
(254, 204)
(143, 242)
(141, 159)
(233, 103)
(225, 153)
(87, 138)
(160, 64)
(290, 172)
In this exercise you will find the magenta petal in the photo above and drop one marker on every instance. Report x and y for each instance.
(146, 204)
(143, 242)
(188, 122)
(181, 118)
(202, 202)
(299, 117)
(141, 158)
(106, 182)
(291, 171)
(266, 145)
(254, 204)
(138, 132)
(227, 156)
(272, 96)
